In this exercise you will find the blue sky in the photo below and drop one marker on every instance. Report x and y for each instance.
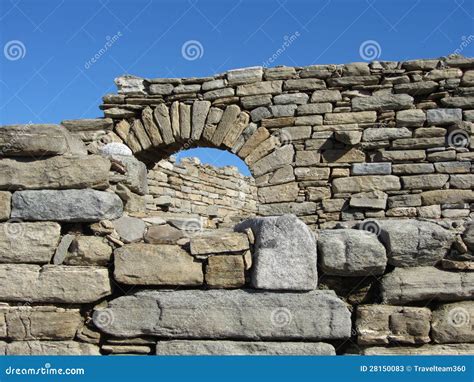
(46, 76)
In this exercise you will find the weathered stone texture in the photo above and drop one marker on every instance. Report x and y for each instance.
(229, 314)
(284, 253)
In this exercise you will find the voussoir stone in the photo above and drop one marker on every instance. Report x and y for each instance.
(53, 283)
(350, 252)
(227, 314)
(57, 172)
(284, 254)
(33, 140)
(382, 102)
(452, 323)
(66, 205)
(412, 243)
(384, 324)
(218, 241)
(22, 242)
(148, 264)
(203, 347)
(406, 285)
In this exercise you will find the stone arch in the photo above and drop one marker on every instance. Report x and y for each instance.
(158, 131)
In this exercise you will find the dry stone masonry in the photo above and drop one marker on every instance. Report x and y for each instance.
(354, 234)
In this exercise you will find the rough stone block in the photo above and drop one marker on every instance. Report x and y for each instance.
(88, 250)
(66, 205)
(284, 253)
(56, 172)
(457, 349)
(147, 264)
(218, 241)
(227, 314)
(452, 323)
(50, 348)
(406, 285)
(34, 141)
(382, 324)
(53, 283)
(438, 117)
(382, 102)
(412, 243)
(41, 322)
(28, 242)
(350, 252)
(203, 347)
(371, 168)
(373, 199)
(225, 271)
(5, 205)
(366, 183)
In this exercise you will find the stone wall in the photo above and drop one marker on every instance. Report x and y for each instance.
(362, 243)
(221, 196)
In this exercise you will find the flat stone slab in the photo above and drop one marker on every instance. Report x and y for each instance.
(58, 172)
(229, 314)
(33, 140)
(28, 242)
(53, 283)
(404, 285)
(148, 264)
(202, 347)
(284, 256)
(218, 241)
(351, 252)
(39, 322)
(414, 243)
(48, 348)
(66, 205)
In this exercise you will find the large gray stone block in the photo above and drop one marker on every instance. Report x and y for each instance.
(382, 102)
(66, 205)
(351, 252)
(284, 254)
(229, 314)
(203, 347)
(405, 285)
(413, 243)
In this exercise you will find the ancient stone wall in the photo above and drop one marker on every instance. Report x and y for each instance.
(220, 196)
(362, 241)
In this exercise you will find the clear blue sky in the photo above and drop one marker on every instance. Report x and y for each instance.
(47, 44)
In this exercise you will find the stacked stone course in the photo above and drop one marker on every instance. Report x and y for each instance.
(354, 236)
